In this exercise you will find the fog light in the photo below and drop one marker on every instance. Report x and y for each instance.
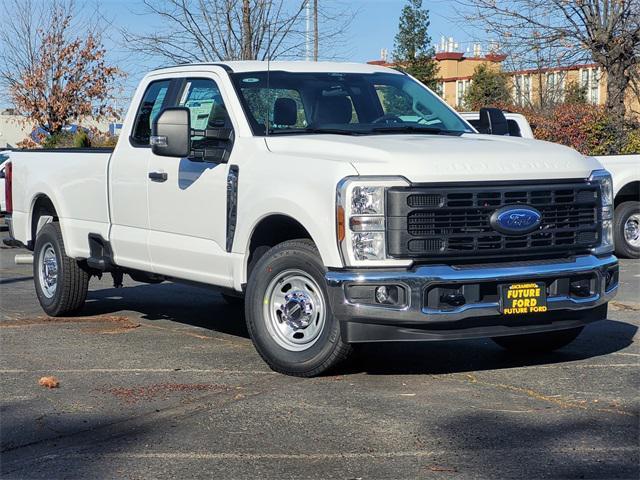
(581, 288)
(453, 299)
(382, 295)
(389, 295)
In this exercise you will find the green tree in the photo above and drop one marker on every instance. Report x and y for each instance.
(575, 94)
(488, 88)
(412, 51)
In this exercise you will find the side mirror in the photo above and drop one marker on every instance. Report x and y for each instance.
(171, 133)
(493, 122)
(2, 174)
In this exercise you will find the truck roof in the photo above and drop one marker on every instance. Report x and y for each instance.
(288, 66)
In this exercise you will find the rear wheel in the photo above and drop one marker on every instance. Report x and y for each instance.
(538, 342)
(61, 283)
(288, 313)
(626, 229)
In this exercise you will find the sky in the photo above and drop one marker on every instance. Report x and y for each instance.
(373, 28)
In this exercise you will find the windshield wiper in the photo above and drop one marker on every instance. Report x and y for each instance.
(306, 131)
(414, 129)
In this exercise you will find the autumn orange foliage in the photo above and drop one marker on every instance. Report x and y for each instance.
(68, 80)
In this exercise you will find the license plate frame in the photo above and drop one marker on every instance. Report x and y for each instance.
(523, 298)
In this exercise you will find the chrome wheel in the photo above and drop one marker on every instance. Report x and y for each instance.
(294, 309)
(48, 270)
(632, 230)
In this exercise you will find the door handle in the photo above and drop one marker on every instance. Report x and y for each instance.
(158, 176)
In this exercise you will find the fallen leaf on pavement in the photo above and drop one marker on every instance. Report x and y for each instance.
(49, 382)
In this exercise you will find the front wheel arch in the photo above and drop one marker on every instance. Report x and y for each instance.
(269, 232)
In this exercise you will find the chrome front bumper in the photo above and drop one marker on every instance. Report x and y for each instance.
(416, 321)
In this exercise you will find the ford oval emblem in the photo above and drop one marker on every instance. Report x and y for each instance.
(516, 219)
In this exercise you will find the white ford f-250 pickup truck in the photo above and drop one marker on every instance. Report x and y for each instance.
(346, 203)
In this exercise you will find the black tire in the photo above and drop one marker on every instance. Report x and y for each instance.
(329, 348)
(622, 214)
(232, 300)
(72, 280)
(538, 342)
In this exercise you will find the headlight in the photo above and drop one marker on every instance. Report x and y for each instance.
(367, 201)
(603, 178)
(360, 215)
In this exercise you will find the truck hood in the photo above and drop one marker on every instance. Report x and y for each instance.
(439, 158)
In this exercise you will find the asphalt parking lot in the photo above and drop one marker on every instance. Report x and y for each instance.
(162, 382)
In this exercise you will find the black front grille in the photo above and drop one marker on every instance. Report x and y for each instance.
(439, 222)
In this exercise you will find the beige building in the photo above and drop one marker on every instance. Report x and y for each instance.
(528, 87)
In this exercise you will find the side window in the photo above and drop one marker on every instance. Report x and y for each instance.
(203, 99)
(273, 102)
(148, 110)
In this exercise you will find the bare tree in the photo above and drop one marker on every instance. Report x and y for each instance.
(51, 72)
(604, 31)
(215, 30)
(536, 72)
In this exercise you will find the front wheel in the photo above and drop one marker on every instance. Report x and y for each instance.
(538, 342)
(61, 283)
(626, 229)
(288, 313)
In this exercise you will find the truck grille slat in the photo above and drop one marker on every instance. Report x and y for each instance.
(442, 222)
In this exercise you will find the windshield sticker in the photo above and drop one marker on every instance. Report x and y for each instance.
(250, 80)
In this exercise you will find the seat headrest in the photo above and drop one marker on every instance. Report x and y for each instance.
(285, 112)
(334, 110)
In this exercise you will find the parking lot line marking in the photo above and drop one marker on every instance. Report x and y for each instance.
(141, 370)
(555, 399)
(322, 456)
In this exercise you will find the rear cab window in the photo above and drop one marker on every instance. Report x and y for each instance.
(151, 105)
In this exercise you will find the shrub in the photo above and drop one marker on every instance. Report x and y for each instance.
(81, 139)
(58, 140)
(633, 141)
(590, 129)
(104, 140)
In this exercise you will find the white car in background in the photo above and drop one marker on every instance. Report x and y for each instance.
(4, 158)
(625, 171)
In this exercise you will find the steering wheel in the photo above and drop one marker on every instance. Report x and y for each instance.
(388, 118)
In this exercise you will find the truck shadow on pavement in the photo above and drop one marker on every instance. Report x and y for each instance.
(198, 307)
(206, 309)
(527, 442)
(598, 339)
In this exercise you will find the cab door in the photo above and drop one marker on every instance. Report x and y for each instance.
(188, 196)
(128, 180)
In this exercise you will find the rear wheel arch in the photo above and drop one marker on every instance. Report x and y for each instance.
(42, 205)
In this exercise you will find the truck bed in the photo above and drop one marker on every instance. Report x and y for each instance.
(75, 180)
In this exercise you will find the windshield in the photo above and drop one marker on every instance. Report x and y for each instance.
(342, 103)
